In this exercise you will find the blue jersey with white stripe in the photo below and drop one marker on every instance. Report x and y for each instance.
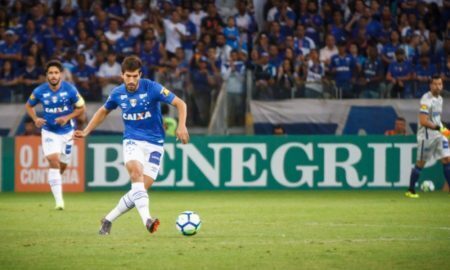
(141, 111)
(55, 104)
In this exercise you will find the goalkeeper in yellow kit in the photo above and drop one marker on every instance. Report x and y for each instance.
(432, 142)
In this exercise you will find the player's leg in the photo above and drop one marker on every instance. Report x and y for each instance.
(444, 154)
(51, 145)
(62, 167)
(152, 161)
(137, 196)
(415, 172)
(446, 166)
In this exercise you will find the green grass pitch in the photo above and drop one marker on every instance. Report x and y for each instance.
(241, 230)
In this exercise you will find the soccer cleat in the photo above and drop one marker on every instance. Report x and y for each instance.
(59, 206)
(411, 194)
(152, 225)
(105, 229)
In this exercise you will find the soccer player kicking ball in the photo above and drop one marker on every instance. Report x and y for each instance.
(143, 137)
(61, 103)
(431, 142)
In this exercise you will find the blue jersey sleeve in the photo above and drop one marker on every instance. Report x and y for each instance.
(164, 95)
(33, 100)
(111, 103)
(74, 95)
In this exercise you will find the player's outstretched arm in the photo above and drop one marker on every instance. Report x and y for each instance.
(39, 122)
(96, 120)
(182, 132)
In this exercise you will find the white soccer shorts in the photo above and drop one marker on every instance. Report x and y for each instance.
(434, 149)
(53, 143)
(149, 155)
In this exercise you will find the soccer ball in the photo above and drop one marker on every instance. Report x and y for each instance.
(188, 223)
(427, 186)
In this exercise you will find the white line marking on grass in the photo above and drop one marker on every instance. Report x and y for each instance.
(331, 224)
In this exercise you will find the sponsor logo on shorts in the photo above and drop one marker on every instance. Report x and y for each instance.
(155, 157)
(129, 143)
(68, 149)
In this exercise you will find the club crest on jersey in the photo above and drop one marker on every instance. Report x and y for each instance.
(136, 116)
(54, 99)
(133, 102)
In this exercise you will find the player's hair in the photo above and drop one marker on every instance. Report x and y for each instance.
(131, 63)
(54, 63)
(399, 118)
(435, 77)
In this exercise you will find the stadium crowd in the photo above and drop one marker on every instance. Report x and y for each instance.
(303, 48)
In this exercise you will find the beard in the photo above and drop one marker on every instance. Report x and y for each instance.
(131, 87)
(54, 84)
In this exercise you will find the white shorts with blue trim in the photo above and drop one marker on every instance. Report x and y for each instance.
(433, 149)
(53, 143)
(149, 155)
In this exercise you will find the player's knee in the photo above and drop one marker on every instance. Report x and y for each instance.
(53, 163)
(136, 174)
(420, 164)
(445, 160)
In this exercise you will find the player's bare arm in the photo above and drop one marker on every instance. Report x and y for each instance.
(38, 121)
(181, 132)
(424, 121)
(96, 120)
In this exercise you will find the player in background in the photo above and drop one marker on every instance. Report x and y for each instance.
(399, 127)
(431, 143)
(61, 104)
(143, 137)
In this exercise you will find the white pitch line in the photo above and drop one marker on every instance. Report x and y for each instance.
(331, 224)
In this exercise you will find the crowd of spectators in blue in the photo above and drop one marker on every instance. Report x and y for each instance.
(303, 48)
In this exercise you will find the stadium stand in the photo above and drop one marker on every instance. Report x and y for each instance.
(299, 49)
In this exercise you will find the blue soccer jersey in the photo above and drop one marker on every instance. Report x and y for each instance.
(141, 111)
(56, 104)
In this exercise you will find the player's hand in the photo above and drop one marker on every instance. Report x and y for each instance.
(444, 131)
(62, 120)
(39, 122)
(182, 134)
(79, 134)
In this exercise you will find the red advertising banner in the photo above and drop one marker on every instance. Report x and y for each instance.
(31, 167)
